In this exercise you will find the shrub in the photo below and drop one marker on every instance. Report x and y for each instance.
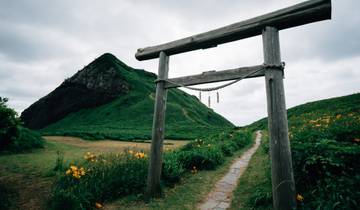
(202, 157)
(228, 148)
(172, 170)
(26, 140)
(8, 124)
(242, 138)
(14, 137)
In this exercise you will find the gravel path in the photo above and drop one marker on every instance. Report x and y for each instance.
(220, 197)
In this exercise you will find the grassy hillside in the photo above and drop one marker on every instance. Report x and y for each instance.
(325, 146)
(129, 114)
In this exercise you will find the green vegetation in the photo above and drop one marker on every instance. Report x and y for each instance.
(105, 177)
(14, 137)
(129, 115)
(325, 138)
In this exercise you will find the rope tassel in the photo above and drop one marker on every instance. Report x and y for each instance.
(209, 101)
(217, 97)
(200, 96)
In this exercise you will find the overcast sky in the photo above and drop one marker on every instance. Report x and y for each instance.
(43, 42)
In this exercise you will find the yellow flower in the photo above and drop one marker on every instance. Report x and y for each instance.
(131, 152)
(299, 198)
(194, 170)
(68, 172)
(338, 116)
(139, 155)
(82, 171)
(98, 205)
(74, 168)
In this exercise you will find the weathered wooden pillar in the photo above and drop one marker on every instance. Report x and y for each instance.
(154, 173)
(283, 185)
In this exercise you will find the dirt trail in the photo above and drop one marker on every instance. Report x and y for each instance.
(220, 197)
(111, 145)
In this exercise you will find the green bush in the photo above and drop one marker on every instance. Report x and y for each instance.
(14, 137)
(172, 170)
(202, 157)
(228, 148)
(242, 138)
(26, 140)
(8, 124)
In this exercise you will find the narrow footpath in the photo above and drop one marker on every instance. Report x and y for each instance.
(220, 197)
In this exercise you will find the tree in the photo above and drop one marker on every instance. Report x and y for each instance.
(9, 123)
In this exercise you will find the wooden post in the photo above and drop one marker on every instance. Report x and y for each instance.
(154, 173)
(283, 186)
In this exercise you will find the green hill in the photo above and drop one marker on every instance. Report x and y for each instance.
(325, 146)
(108, 99)
(300, 115)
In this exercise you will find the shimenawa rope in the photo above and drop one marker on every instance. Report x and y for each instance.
(265, 66)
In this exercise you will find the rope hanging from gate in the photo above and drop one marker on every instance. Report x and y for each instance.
(265, 66)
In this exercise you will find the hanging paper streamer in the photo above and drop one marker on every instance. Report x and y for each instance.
(217, 97)
(209, 101)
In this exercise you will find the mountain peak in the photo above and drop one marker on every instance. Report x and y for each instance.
(106, 57)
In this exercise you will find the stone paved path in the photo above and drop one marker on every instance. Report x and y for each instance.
(220, 197)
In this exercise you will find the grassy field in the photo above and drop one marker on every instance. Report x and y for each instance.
(23, 174)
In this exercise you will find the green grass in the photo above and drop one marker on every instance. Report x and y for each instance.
(40, 162)
(129, 116)
(28, 176)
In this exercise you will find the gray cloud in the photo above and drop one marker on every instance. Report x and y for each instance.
(43, 42)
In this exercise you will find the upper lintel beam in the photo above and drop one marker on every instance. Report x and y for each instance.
(299, 14)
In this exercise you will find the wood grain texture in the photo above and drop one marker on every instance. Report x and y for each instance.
(154, 173)
(297, 15)
(283, 186)
(216, 76)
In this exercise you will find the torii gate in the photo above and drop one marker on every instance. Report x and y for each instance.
(283, 186)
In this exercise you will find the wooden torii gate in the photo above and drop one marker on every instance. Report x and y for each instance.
(283, 186)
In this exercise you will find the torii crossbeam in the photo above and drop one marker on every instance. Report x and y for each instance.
(268, 25)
